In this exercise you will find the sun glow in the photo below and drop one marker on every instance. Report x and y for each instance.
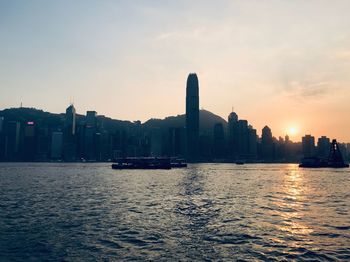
(292, 131)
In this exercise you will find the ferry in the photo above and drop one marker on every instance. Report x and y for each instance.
(148, 163)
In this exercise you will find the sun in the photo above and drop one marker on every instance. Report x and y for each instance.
(292, 131)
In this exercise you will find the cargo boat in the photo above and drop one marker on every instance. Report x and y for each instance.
(335, 159)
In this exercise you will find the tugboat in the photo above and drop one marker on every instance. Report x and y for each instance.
(335, 159)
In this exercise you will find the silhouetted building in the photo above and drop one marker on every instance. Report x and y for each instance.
(70, 120)
(175, 146)
(91, 118)
(69, 137)
(308, 144)
(91, 139)
(28, 151)
(243, 139)
(56, 145)
(2, 139)
(12, 140)
(267, 145)
(233, 136)
(192, 117)
(252, 143)
(1, 123)
(156, 142)
(323, 146)
(219, 141)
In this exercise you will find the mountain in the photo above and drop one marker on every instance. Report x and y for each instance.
(207, 120)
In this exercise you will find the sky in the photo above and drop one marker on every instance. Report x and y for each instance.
(285, 64)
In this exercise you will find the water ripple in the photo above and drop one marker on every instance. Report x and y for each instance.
(207, 212)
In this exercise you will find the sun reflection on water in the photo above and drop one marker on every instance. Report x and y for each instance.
(292, 202)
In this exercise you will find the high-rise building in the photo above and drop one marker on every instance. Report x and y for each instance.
(267, 145)
(91, 136)
(323, 146)
(56, 145)
(243, 139)
(69, 139)
(2, 138)
(192, 117)
(233, 135)
(29, 143)
(91, 118)
(12, 140)
(219, 149)
(1, 123)
(308, 145)
(252, 142)
(70, 120)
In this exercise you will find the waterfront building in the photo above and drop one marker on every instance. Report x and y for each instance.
(219, 149)
(91, 118)
(243, 138)
(267, 145)
(192, 117)
(233, 135)
(1, 123)
(56, 145)
(323, 146)
(69, 139)
(70, 120)
(252, 143)
(29, 145)
(308, 145)
(12, 140)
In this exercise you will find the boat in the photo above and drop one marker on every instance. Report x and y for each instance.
(335, 159)
(178, 163)
(142, 163)
(239, 162)
(313, 162)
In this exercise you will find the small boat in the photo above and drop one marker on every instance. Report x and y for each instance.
(240, 162)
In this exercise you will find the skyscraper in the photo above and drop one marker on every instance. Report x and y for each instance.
(267, 145)
(70, 120)
(192, 117)
(233, 135)
(69, 148)
(308, 144)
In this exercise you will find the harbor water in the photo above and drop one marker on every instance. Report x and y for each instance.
(89, 212)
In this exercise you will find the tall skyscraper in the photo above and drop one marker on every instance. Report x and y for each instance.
(192, 117)
(267, 145)
(70, 120)
(69, 139)
(233, 135)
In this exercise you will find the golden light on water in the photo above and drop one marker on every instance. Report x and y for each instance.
(291, 204)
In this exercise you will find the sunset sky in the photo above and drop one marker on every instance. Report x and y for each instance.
(285, 64)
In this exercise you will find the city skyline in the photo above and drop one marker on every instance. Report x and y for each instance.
(277, 64)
